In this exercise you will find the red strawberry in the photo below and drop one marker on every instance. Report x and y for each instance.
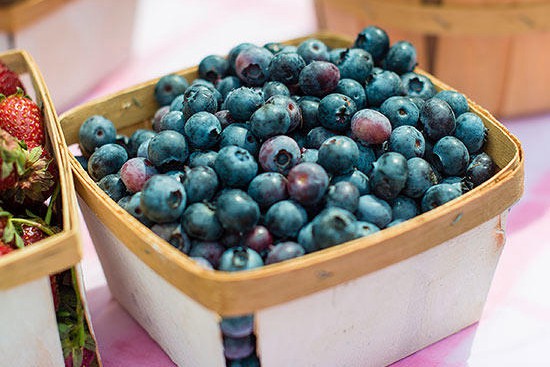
(22, 118)
(9, 81)
(31, 234)
(5, 249)
(24, 175)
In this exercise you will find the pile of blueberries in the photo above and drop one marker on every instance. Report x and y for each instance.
(278, 151)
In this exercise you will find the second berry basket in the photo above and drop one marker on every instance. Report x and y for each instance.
(368, 302)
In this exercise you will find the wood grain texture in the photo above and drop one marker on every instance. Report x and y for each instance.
(20, 14)
(63, 250)
(245, 292)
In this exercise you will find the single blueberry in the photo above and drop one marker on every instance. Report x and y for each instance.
(237, 326)
(239, 259)
(279, 154)
(418, 85)
(199, 221)
(241, 136)
(400, 111)
(375, 41)
(275, 89)
(338, 155)
(319, 78)
(366, 159)
(203, 130)
(404, 208)
(251, 65)
(135, 172)
(370, 127)
(374, 210)
(268, 188)
(168, 150)
(316, 136)
(381, 86)
(269, 120)
(237, 211)
(198, 98)
(107, 159)
(355, 63)
(438, 195)
(354, 90)
(420, 177)
(285, 218)
(169, 87)
(307, 183)
(209, 250)
(335, 112)
(480, 169)
(200, 183)
(408, 141)
(243, 102)
(235, 166)
(113, 186)
(401, 57)
(343, 195)
(437, 119)
(389, 175)
(471, 131)
(456, 100)
(163, 199)
(133, 206)
(356, 177)
(213, 68)
(284, 251)
(95, 132)
(450, 156)
(313, 50)
(291, 107)
(174, 235)
(227, 84)
(333, 226)
(206, 158)
(286, 68)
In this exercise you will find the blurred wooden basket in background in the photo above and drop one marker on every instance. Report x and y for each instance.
(494, 51)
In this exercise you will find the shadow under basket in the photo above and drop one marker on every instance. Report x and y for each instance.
(368, 302)
(29, 334)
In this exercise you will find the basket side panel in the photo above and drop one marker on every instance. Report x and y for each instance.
(186, 331)
(29, 336)
(386, 315)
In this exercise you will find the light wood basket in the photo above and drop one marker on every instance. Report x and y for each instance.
(21, 13)
(492, 50)
(140, 267)
(29, 334)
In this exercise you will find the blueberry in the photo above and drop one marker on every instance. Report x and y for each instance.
(95, 132)
(279, 154)
(202, 159)
(395, 222)
(437, 118)
(338, 155)
(243, 102)
(259, 239)
(291, 107)
(203, 130)
(401, 57)
(400, 111)
(285, 218)
(275, 89)
(237, 211)
(408, 141)
(335, 112)
(461, 183)
(177, 103)
(237, 326)
(343, 195)
(238, 259)
(202, 262)
(213, 68)
(284, 251)
(274, 47)
(142, 151)
(174, 235)
(123, 141)
(168, 150)
(356, 177)
(375, 41)
(200, 183)
(163, 199)
(305, 238)
(239, 135)
(370, 127)
(251, 65)
(418, 102)
(389, 175)
(203, 83)
(404, 208)
(83, 161)
(480, 169)
(172, 120)
(135, 172)
(417, 85)
(250, 361)
(381, 86)
(225, 118)
(420, 177)
(316, 136)
(333, 226)
(269, 120)
(268, 188)
(235, 166)
(198, 98)
(234, 52)
(286, 68)
(355, 63)
(354, 90)
(319, 78)
(456, 100)
(313, 50)
(366, 159)
(438, 195)
(363, 229)
(199, 221)
(169, 87)
(209, 250)
(105, 160)
(137, 138)
(133, 206)
(307, 183)
(309, 155)
(374, 210)
(113, 186)
(227, 84)
(471, 131)
(450, 156)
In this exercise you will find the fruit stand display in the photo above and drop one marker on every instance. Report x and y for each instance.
(489, 50)
(69, 40)
(349, 279)
(44, 320)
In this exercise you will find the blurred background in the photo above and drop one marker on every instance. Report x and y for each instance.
(495, 51)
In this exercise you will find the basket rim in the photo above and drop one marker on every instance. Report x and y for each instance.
(220, 291)
(62, 250)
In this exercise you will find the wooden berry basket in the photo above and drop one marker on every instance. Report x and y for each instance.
(29, 334)
(49, 28)
(492, 50)
(368, 302)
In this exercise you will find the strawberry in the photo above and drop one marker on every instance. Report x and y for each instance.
(24, 175)
(9, 81)
(5, 249)
(22, 118)
(31, 234)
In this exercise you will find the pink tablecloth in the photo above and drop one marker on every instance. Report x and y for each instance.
(515, 327)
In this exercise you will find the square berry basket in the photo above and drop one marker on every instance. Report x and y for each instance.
(29, 333)
(368, 302)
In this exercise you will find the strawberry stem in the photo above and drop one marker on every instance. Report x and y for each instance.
(48, 217)
(28, 222)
